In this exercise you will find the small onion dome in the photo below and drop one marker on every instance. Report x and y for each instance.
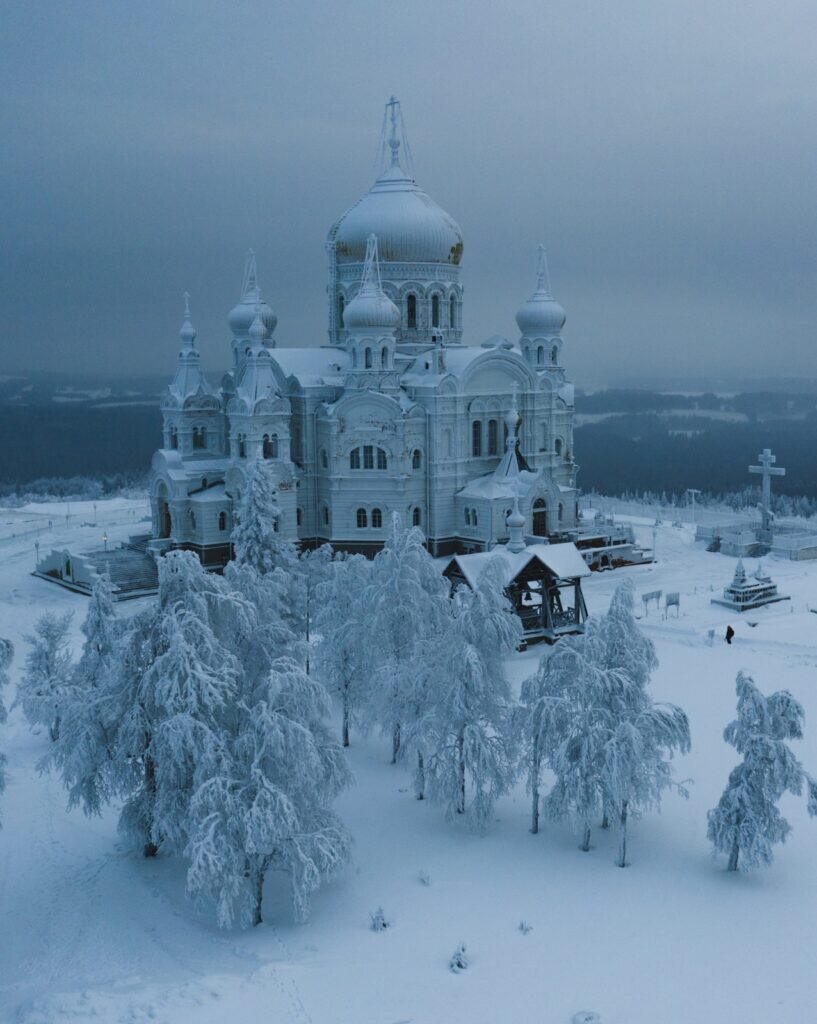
(541, 314)
(250, 305)
(257, 329)
(243, 314)
(370, 310)
(371, 307)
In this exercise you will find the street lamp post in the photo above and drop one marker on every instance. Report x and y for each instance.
(105, 540)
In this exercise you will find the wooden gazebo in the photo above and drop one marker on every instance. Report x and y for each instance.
(543, 581)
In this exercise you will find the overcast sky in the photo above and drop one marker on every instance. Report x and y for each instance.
(665, 153)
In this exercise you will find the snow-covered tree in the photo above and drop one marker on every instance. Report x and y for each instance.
(746, 824)
(556, 719)
(342, 654)
(587, 715)
(405, 606)
(47, 672)
(314, 569)
(269, 804)
(464, 732)
(82, 752)
(6, 656)
(181, 681)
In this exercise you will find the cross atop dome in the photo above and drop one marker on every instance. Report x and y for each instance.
(393, 134)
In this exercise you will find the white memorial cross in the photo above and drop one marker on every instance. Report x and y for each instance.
(767, 470)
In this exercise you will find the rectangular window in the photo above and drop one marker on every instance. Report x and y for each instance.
(354, 459)
(368, 456)
(476, 438)
(381, 459)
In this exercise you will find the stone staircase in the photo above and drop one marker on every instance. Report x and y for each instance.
(132, 571)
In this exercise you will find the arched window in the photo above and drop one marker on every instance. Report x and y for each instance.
(377, 518)
(299, 515)
(492, 437)
(192, 519)
(174, 437)
(341, 307)
(242, 446)
(382, 461)
(476, 438)
(561, 511)
(324, 459)
(367, 359)
(416, 517)
(325, 515)
(539, 518)
(354, 458)
(368, 456)
(544, 447)
(474, 519)
(199, 437)
(204, 483)
(435, 310)
(411, 311)
(270, 446)
(558, 446)
(354, 358)
(554, 354)
(416, 459)
(452, 311)
(222, 521)
(362, 519)
(540, 356)
(468, 517)
(384, 358)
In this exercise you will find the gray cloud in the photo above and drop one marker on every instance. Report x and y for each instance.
(666, 154)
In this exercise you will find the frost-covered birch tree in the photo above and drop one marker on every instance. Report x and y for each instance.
(269, 804)
(47, 672)
(341, 655)
(90, 713)
(747, 823)
(180, 682)
(464, 734)
(405, 606)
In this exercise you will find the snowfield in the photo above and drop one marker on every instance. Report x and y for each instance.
(90, 933)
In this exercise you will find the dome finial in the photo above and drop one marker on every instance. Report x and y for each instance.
(188, 331)
(371, 307)
(257, 330)
(516, 527)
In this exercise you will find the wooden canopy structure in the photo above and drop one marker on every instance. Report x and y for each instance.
(543, 582)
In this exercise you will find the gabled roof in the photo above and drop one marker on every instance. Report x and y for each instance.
(563, 561)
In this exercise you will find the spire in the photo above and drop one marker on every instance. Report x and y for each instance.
(250, 286)
(257, 330)
(393, 135)
(542, 272)
(188, 331)
(370, 283)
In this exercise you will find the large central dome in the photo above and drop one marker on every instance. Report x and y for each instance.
(410, 227)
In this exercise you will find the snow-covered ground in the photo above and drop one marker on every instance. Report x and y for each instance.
(91, 934)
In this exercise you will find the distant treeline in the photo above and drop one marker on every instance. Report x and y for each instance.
(755, 403)
(639, 453)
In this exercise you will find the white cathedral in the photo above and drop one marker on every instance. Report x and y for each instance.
(395, 414)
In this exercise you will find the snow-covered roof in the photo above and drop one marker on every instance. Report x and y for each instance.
(493, 485)
(563, 560)
(327, 364)
(208, 495)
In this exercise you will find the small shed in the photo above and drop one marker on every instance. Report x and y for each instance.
(543, 581)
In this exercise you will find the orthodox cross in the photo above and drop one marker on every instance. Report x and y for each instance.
(767, 470)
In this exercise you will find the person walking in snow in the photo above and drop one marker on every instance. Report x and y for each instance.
(729, 634)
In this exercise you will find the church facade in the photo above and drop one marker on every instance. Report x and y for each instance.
(395, 414)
